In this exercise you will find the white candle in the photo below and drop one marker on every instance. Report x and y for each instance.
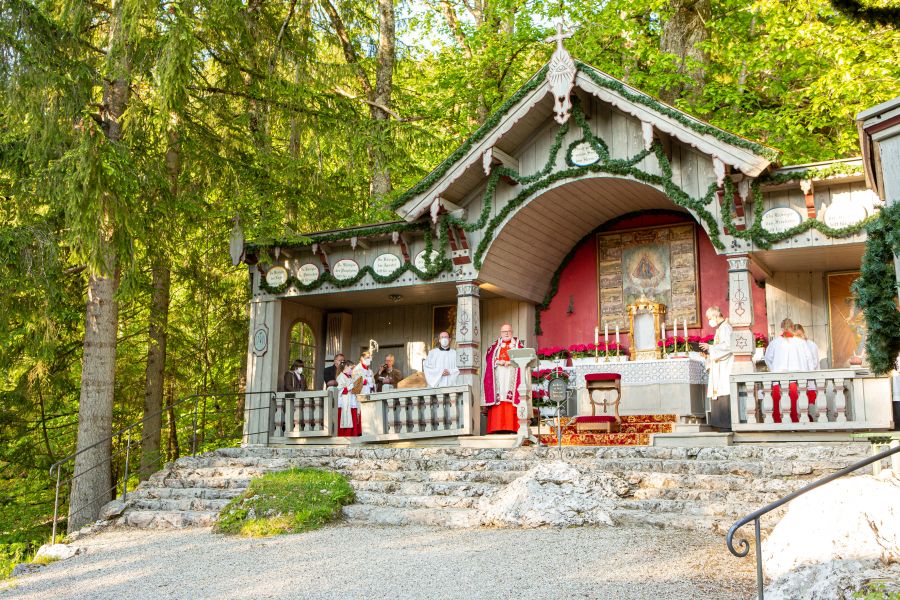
(663, 332)
(617, 335)
(685, 331)
(596, 336)
(606, 333)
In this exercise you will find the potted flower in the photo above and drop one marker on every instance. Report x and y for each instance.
(762, 342)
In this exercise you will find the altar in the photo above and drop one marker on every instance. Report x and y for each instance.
(674, 386)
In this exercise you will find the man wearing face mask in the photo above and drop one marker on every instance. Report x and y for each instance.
(440, 364)
(295, 380)
(719, 362)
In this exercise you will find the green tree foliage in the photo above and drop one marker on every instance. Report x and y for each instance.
(264, 115)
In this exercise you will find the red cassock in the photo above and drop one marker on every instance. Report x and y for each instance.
(501, 416)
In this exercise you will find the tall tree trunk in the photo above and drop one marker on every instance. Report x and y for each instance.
(156, 364)
(380, 175)
(158, 331)
(682, 35)
(92, 485)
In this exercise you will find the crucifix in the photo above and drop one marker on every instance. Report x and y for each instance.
(561, 74)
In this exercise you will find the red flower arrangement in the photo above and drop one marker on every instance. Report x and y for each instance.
(542, 375)
(762, 340)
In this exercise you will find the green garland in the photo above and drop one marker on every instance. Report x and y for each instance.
(875, 290)
(336, 236)
(428, 274)
(764, 238)
(774, 178)
(699, 126)
(489, 124)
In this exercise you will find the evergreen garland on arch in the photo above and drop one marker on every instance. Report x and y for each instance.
(875, 290)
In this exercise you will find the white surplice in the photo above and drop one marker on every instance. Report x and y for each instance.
(438, 361)
(720, 362)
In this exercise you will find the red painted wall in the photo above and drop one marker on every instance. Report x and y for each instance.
(578, 282)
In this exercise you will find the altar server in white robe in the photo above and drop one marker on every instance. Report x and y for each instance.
(720, 362)
(787, 354)
(440, 364)
(349, 422)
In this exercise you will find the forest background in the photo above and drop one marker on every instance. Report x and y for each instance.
(135, 132)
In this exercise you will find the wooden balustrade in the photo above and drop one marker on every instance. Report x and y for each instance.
(419, 413)
(843, 399)
(304, 414)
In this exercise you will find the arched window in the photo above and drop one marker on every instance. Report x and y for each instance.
(303, 346)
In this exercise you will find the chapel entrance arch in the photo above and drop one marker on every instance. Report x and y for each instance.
(528, 247)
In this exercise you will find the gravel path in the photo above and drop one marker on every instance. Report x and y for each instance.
(349, 561)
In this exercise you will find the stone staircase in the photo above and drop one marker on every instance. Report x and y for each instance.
(695, 488)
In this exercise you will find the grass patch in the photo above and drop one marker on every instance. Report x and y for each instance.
(289, 501)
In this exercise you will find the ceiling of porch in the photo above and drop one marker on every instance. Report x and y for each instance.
(531, 245)
(838, 257)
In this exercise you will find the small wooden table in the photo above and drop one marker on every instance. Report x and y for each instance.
(603, 383)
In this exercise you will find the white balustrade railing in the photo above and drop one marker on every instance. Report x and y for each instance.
(416, 413)
(304, 414)
(844, 399)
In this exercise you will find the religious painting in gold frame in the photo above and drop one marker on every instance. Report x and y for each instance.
(658, 263)
(847, 325)
(443, 318)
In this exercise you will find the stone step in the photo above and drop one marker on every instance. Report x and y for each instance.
(404, 501)
(416, 488)
(648, 480)
(787, 452)
(211, 472)
(170, 492)
(727, 510)
(694, 495)
(387, 515)
(154, 519)
(204, 482)
(178, 504)
(490, 477)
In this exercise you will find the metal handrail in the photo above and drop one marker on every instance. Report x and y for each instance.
(744, 545)
(128, 430)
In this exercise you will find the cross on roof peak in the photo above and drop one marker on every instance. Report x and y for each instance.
(561, 35)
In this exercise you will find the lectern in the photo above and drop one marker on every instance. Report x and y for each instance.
(525, 358)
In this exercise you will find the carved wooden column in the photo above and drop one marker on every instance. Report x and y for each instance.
(468, 343)
(262, 371)
(740, 310)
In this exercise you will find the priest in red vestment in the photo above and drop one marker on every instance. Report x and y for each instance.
(501, 382)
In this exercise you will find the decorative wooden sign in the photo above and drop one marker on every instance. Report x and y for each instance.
(260, 339)
(345, 269)
(420, 259)
(777, 220)
(308, 273)
(276, 276)
(584, 154)
(844, 213)
(386, 264)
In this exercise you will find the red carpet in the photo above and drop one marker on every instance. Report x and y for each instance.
(634, 430)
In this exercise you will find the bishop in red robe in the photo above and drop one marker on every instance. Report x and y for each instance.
(500, 394)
